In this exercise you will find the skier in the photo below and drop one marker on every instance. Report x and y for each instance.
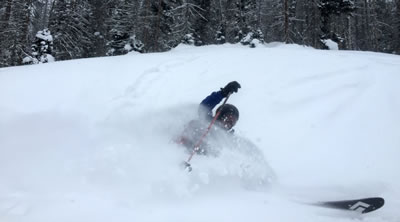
(226, 120)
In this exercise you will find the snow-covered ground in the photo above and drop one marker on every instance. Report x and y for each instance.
(92, 139)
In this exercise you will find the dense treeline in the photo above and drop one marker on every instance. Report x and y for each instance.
(90, 28)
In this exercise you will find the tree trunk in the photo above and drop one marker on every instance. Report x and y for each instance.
(286, 21)
(44, 18)
(7, 14)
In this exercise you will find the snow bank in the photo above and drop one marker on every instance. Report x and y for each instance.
(92, 139)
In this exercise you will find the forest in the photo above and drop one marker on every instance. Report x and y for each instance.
(40, 31)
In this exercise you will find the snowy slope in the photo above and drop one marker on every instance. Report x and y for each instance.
(91, 139)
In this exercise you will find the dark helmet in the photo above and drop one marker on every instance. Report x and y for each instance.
(228, 116)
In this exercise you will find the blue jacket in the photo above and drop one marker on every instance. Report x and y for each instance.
(208, 104)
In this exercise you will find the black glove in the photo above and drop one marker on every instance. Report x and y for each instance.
(230, 88)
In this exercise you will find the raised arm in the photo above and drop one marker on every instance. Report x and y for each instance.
(208, 104)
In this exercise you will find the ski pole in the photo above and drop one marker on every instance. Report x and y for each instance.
(197, 146)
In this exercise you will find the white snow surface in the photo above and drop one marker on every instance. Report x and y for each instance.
(92, 139)
(332, 45)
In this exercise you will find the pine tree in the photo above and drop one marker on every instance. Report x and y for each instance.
(41, 48)
(233, 28)
(5, 16)
(155, 26)
(15, 32)
(72, 36)
(189, 22)
(41, 10)
(307, 23)
(121, 27)
(384, 27)
(329, 8)
(280, 24)
(366, 25)
(100, 25)
(219, 22)
(250, 22)
(397, 27)
(360, 26)
(201, 26)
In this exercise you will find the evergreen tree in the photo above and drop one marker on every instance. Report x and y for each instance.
(397, 27)
(155, 25)
(220, 35)
(5, 16)
(72, 36)
(329, 8)
(219, 22)
(41, 48)
(249, 20)
(100, 26)
(201, 27)
(189, 21)
(360, 26)
(307, 23)
(40, 19)
(280, 23)
(253, 38)
(384, 27)
(121, 27)
(233, 31)
(15, 32)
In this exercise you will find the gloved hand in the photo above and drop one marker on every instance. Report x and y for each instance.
(230, 88)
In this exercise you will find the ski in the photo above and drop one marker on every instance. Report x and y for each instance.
(363, 206)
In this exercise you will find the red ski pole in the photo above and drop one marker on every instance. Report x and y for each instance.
(197, 146)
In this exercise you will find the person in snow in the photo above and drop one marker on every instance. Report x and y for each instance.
(226, 120)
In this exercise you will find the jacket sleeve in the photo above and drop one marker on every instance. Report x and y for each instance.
(208, 104)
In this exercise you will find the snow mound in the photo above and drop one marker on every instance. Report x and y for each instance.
(93, 139)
